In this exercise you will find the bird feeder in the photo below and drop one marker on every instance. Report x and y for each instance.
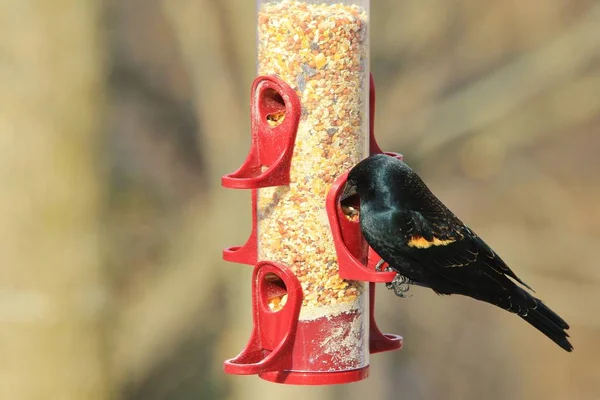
(313, 284)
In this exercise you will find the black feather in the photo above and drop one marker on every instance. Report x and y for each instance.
(550, 324)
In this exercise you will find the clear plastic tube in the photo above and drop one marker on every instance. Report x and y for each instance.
(321, 49)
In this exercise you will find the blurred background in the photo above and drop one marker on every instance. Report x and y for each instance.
(117, 119)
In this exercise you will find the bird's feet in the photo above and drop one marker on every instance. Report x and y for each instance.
(400, 285)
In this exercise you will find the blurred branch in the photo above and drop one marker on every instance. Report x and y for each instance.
(505, 89)
(223, 114)
(568, 106)
(184, 291)
(169, 303)
(176, 298)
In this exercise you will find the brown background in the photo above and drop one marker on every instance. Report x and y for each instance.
(118, 118)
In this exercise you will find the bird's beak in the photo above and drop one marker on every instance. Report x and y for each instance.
(349, 191)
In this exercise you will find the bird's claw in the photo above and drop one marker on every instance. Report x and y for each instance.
(400, 285)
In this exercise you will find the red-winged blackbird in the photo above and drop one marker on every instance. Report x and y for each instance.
(427, 245)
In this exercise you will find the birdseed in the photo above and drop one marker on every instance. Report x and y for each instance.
(320, 50)
(277, 303)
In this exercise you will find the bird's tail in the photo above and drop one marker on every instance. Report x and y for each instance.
(550, 324)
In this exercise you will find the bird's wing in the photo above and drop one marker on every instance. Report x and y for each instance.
(437, 239)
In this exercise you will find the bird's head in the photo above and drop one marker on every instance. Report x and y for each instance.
(373, 177)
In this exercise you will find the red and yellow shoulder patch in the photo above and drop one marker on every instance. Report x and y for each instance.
(422, 243)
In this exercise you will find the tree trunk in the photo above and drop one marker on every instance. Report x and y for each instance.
(52, 293)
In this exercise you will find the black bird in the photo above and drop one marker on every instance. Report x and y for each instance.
(427, 245)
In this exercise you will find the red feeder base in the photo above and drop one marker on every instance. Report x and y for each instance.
(316, 378)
